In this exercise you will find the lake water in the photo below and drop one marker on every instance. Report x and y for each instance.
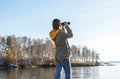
(93, 72)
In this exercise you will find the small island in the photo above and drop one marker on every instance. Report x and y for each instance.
(26, 52)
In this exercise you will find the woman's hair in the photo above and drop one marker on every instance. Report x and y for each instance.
(56, 23)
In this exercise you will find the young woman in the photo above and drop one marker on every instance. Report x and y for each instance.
(62, 54)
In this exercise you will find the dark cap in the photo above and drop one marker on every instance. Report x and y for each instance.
(56, 23)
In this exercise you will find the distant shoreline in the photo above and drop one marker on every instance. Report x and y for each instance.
(47, 65)
(111, 61)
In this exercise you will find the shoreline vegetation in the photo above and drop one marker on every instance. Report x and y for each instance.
(80, 64)
(27, 52)
(77, 64)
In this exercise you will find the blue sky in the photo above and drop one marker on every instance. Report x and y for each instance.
(95, 23)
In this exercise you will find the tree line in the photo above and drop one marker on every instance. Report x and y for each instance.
(24, 50)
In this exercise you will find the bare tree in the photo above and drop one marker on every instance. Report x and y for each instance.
(97, 57)
(93, 56)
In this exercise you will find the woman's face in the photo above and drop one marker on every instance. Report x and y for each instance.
(60, 27)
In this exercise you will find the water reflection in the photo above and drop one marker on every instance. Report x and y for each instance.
(48, 73)
(34, 73)
(85, 73)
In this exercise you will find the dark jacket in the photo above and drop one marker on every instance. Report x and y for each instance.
(61, 43)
